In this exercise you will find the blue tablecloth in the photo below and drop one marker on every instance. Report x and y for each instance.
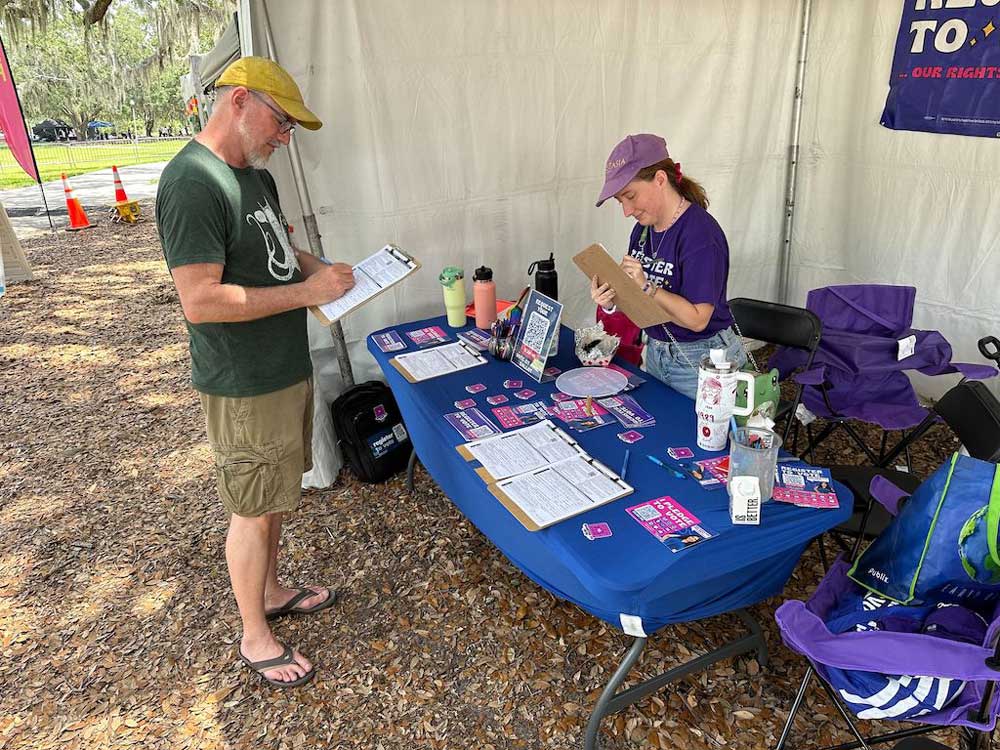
(630, 572)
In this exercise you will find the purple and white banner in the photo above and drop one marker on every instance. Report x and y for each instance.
(946, 68)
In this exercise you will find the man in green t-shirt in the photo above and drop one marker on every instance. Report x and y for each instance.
(244, 289)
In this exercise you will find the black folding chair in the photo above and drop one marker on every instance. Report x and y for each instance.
(973, 414)
(784, 325)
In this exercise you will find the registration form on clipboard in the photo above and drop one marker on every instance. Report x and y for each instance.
(542, 475)
(372, 276)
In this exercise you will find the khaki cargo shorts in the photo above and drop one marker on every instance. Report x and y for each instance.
(262, 446)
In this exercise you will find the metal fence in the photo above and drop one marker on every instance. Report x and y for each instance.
(79, 157)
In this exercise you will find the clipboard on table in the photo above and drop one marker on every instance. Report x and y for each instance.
(381, 270)
(414, 365)
(467, 450)
(640, 308)
(501, 491)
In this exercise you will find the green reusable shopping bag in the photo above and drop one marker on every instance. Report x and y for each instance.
(943, 544)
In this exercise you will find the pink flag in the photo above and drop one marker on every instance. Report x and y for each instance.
(12, 120)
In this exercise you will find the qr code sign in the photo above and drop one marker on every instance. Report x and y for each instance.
(646, 513)
(534, 333)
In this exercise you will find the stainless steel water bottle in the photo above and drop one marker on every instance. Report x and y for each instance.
(546, 278)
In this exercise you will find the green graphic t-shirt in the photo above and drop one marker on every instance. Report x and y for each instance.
(210, 212)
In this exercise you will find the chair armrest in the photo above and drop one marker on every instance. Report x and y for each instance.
(815, 375)
(887, 494)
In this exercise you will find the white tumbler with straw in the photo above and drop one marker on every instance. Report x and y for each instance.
(716, 398)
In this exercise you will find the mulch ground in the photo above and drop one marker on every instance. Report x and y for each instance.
(118, 628)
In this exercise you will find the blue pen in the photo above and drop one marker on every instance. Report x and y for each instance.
(671, 469)
(625, 463)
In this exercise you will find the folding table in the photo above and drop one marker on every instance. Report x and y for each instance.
(630, 580)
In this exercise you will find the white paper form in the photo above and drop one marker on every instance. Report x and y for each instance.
(562, 490)
(550, 441)
(378, 271)
(440, 360)
(522, 450)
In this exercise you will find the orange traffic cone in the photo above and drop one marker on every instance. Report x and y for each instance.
(77, 216)
(124, 209)
(120, 196)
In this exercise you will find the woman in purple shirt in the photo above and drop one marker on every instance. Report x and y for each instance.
(678, 255)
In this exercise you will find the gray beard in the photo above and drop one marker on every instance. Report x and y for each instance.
(257, 160)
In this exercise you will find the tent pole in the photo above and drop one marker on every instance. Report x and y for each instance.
(309, 219)
(785, 258)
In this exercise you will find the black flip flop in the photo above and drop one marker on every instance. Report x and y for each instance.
(287, 657)
(291, 606)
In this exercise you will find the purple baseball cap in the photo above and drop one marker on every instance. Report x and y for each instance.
(956, 623)
(627, 158)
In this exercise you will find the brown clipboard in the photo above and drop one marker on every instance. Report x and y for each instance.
(493, 484)
(481, 472)
(640, 308)
(515, 510)
(480, 360)
(401, 255)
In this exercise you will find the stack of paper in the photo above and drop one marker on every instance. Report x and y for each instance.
(628, 411)
(806, 486)
(574, 412)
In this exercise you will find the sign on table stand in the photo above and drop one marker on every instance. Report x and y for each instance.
(539, 329)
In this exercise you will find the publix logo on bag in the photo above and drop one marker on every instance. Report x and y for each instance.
(878, 574)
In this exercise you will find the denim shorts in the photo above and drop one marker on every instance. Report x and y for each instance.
(665, 360)
(262, 446)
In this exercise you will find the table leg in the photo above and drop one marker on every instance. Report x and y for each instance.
(601, 708)
(409, 470)
(611, 702)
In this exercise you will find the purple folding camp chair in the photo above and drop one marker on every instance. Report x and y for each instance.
(858, 372)
(803, 627)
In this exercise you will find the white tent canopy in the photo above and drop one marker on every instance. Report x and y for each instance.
(472, 132)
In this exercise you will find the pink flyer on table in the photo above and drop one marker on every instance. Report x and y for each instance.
(576, 408)
(662, 516)
(596, 530)
(428, 336)
(520, 415)
(807, 486)
(718, 467)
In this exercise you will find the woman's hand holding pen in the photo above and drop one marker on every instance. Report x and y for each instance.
(633, 269)
(602, 294)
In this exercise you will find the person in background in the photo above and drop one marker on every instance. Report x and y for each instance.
(679, 257)
(243, 289)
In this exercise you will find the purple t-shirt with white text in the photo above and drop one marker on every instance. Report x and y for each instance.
(690, 259)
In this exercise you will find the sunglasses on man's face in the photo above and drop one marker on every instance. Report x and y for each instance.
(285, 125)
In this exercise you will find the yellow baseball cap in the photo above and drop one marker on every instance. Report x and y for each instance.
(266, 76)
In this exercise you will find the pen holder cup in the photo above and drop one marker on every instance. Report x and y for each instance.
(502, 348)
(502, 339)
(753, 451)
(594, 346)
